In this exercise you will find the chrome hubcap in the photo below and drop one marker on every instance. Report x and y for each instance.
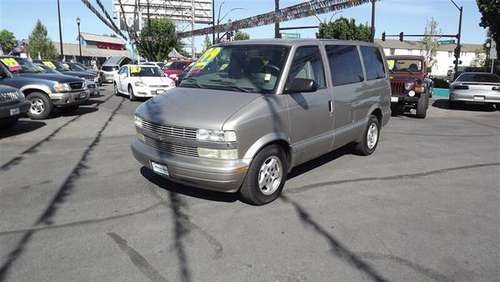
(372, 136)
(270, 175)
(37, 106)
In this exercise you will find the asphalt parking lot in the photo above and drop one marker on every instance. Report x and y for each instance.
(76, 206)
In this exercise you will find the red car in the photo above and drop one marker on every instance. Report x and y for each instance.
(175, 68)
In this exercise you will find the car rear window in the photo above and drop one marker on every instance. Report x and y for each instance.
(479, 77)
(374, 64)
(109, 68)
(345, 64)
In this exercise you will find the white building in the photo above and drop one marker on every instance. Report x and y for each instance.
(444, 56)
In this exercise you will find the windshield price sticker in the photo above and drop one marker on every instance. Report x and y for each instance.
(65, 66)
(11, 64)
(135, 69)
(390, 64)
(49, 64)
(207, 57)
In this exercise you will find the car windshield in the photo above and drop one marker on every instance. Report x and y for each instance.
(479, 77)
(20, 65)
(61, 67)
(411, 65)
(46, 69)
(145, 71)
(77, 67)
(243, 68)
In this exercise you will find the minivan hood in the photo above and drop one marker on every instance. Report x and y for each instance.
(194, 107)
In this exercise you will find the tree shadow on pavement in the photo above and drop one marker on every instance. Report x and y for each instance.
(337, 248)
(21, 127)
(445, 105)
(187, 190)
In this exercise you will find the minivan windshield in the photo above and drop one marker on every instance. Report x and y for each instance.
(20, 65)
(242, 68)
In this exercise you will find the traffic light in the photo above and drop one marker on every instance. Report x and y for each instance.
(383, 36)
(457, 52)
(401, 35)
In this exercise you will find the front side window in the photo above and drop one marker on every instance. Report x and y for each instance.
(374, 63)
(242, 68)
(345, 64)
(123, 70)
(307, 63)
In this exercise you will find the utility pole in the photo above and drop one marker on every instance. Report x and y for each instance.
(60, 30)
(373, 21)
(277, 33)
(79, 39)
(193, 55)
(458, 50)
(213, 21)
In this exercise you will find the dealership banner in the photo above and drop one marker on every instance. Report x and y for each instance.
(298, 11)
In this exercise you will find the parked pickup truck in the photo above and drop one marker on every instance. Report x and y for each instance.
(44, 91)
(411, 88)
(12, 105)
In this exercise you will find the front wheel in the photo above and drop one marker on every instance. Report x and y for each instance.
(370, 137)
(40, 107)
(422, 105)
(131, 95)
(266, 176)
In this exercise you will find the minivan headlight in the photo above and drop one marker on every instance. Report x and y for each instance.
(138, 121)
(215, 135)
(61, 87)
(231, 154)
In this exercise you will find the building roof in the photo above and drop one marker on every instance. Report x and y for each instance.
(71, 49)
(418, 45)
(101, 38)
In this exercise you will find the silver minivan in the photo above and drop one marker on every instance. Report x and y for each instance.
(250, 111)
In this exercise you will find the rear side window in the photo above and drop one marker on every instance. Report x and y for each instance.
(345, 64)
(307, 64)
(374, 64)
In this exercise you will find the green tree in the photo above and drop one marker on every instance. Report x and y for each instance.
(345, 29)
(157, 39)
(430, 42)
(40, 43)
(490, 11)
(7, 41)
(240, 35)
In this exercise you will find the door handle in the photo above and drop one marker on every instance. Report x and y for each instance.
(330, 106)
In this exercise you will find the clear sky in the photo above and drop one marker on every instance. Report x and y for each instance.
(393, 16)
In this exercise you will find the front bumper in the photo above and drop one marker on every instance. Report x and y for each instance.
(65, 99)
(146, 91)
(474, 97)
(5, 111)
(404, 99)
(215, 175)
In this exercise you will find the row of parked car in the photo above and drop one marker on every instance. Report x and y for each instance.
(38, 87)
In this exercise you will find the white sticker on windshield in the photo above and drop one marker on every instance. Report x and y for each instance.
(267, 77)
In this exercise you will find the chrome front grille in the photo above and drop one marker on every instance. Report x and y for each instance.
(76, 85)
(170, 147)
(169, 131)
(8, 97)
(397, 87)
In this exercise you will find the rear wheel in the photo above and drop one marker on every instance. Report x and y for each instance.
(40, 107)
(131, 95)
(266, 176)
(370, 137)
(422, 105)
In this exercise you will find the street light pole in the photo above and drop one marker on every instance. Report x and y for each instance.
(60, 30)
(459, 36)
(213, 21)
(277, 33)
(79, 39)
(373, 20)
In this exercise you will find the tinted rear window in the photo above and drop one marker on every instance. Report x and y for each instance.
(374, 63)
(479, 77)
(109, 68)
(345, 64)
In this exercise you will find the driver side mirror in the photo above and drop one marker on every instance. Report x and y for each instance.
(299, 85)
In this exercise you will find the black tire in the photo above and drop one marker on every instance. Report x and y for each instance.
(250, 191)
(41, 106)
(115, 89)
(131, 95)
(8, 122)
(422, 105)
(362, 148)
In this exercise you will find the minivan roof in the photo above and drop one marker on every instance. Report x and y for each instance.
(291, 42)
(405, 57)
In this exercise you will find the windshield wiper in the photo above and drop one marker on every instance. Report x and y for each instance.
(229, 84)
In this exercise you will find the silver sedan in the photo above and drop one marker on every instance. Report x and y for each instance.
(475, 87)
